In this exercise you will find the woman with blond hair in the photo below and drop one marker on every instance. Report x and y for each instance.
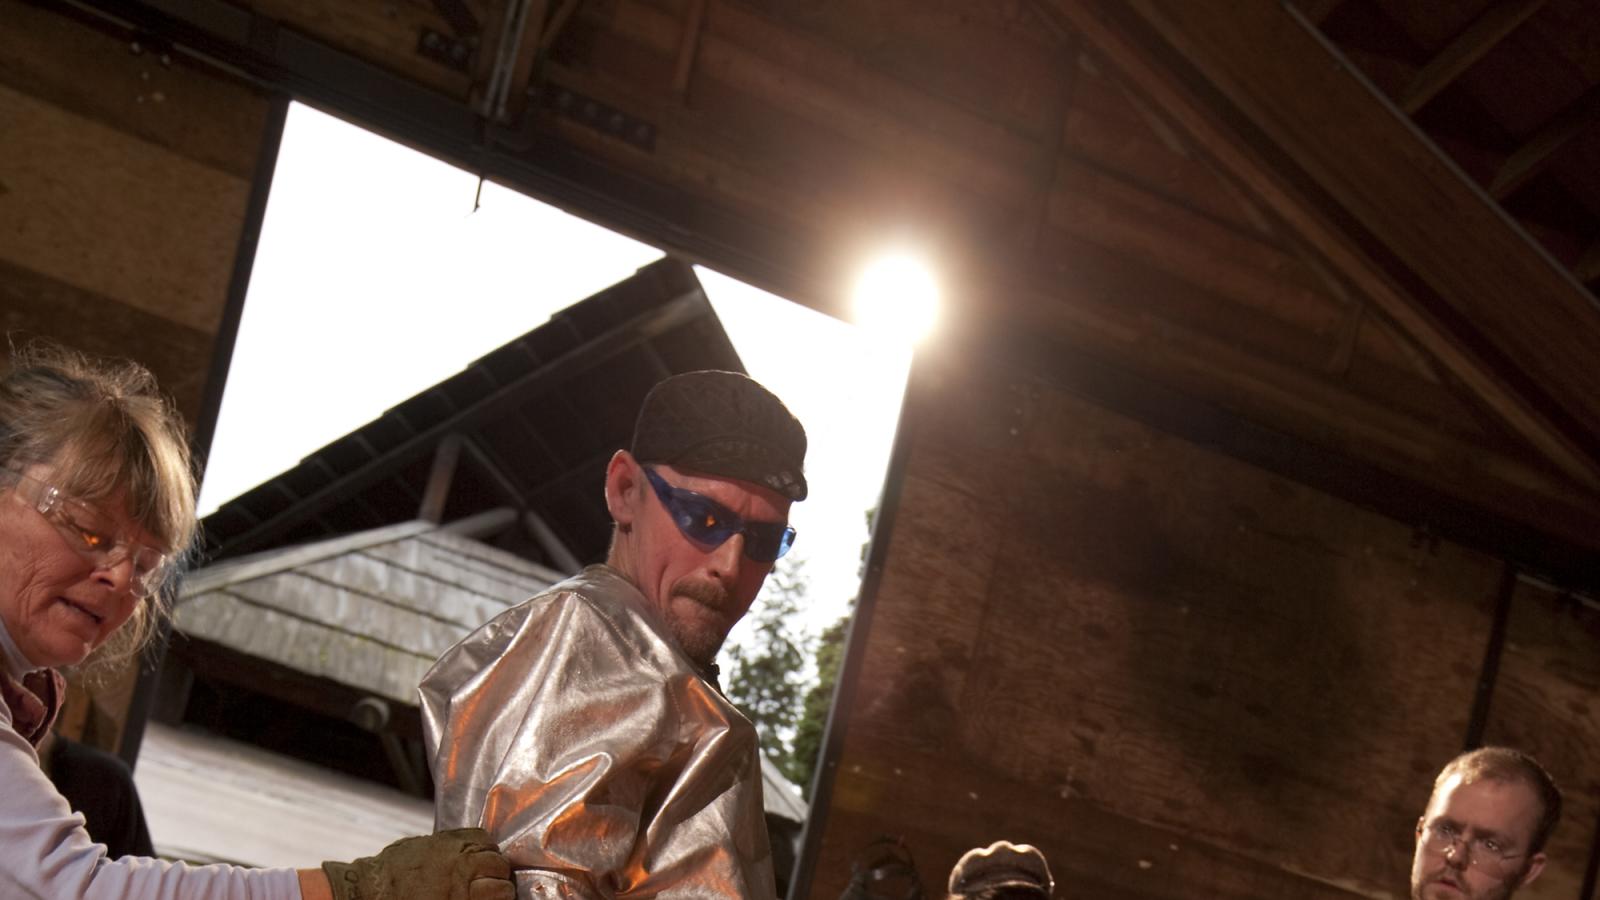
(97, 500)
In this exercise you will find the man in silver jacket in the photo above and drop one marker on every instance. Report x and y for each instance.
(584, 728)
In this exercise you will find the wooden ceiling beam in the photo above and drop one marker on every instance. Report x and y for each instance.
(1499, 20)
(1371, 195)
(1588, 267)
(686, 48)
(463, 22)
(446, 459)
(558, 21)
(483, 60)
(1098, 206)
(1317, 11)
(384, 34)
(522, 63)
(1536, 152)
(792, 73)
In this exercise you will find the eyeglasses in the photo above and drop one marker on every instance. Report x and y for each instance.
(705, 521)
(1488, 854)
(88, 534)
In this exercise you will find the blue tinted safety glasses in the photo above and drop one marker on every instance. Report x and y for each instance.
(705, 521)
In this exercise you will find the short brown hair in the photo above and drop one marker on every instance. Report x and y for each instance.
(103, 425)
(1504, 765)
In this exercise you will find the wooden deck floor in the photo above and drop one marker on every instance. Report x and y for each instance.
(210, 799)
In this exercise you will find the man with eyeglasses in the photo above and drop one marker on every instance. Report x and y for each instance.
(584, 729)
(1483, 834)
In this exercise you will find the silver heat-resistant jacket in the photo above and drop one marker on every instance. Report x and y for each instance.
(575, 732)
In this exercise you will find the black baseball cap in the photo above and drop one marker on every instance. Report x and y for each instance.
(723, 423)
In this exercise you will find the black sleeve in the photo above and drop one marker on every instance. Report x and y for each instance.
(100, 786)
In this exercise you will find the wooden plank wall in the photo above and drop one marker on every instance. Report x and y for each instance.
(1179, 675)
(1550, 673)
(124, 177)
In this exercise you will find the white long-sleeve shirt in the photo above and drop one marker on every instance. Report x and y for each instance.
(45, 853)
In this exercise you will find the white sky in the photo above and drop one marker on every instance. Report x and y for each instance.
(374, 279)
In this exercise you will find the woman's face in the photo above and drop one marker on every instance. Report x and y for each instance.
(56, 604)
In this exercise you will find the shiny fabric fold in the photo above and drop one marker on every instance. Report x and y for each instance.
(573, 731)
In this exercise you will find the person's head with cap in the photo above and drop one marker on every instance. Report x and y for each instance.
(1002, 871)
(701, 500)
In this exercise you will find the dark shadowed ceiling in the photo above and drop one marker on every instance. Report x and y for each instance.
(1363, 229)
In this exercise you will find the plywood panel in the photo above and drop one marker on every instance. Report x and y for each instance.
(140, 89)
(811, 143)
(382, 32)
(1173, 644)
(992, 59)
(1106, 129)
(32, 305)
(1233, 263)
(111, 214)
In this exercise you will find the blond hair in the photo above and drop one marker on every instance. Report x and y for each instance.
(102, 425)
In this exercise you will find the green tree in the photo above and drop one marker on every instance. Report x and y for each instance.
(766, 679)
(829, 652)
(807, 745)
(767, 676)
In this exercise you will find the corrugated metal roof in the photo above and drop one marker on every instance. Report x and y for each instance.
(779, 795)
(371, 611)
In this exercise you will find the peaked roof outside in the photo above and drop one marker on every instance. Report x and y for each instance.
(531, 425)
(371, 611)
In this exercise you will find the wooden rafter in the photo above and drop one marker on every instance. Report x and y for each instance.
(460, 16)
(1050, 163)
(1317, 10)
(483, 63)
(446, 458)
(1588, 267)
(1535, 153)
(1350, 335)
(557, 22)
(687, 47)
(522, 65)
(1499, 20)
(514, 41)
(1370, 194)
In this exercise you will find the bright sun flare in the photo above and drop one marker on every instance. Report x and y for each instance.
(898, 296)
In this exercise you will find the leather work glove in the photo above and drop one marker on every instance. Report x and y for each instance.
(462, 864)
